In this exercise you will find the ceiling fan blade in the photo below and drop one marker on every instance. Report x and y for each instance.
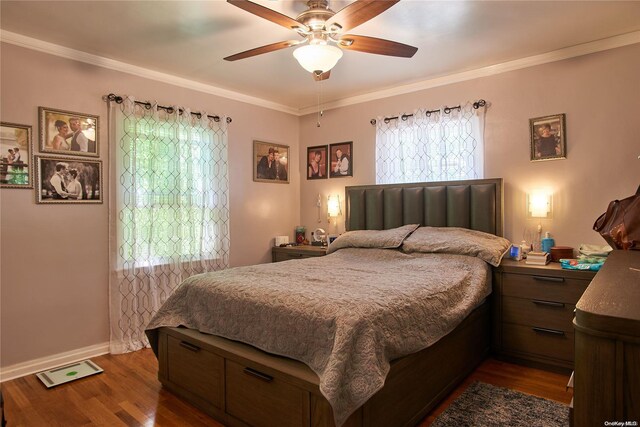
(377, 46)
(268, 14)
(358, 13)
(320, 77)
(263, 49)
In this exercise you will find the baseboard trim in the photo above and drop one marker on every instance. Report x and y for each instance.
(36, 365)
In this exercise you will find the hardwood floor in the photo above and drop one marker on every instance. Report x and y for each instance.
(129, 394)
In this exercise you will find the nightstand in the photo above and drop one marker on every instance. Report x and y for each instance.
(533, 313)
(285, 253)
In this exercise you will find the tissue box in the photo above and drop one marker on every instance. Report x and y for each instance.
(282, 240)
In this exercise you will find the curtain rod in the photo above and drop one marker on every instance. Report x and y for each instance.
(446, 110)
(119, 100)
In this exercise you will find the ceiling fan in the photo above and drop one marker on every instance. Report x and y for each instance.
(323, 35)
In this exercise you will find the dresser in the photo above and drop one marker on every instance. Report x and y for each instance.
(607, 345)
(285, 253)
(533, 313)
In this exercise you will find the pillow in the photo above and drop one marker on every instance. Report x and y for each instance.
(461, 241)
(384, 239)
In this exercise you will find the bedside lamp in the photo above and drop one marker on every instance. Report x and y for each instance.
(539, 205)
(333, 207)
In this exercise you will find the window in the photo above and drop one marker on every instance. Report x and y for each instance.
(173, 190)
(431, 146)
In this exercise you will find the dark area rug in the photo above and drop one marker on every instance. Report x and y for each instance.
(486, 405)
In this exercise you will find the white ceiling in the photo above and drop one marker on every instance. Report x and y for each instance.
(188, 39)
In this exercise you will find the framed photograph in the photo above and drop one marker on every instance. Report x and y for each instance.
(270, 162)
(548, 138)
(16, 158)
(317, 162)
(66, 132)
(341, 163)
(68, 180)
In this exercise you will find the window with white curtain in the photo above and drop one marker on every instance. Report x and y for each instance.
(169, 209)
(431, 145)
(174, 205)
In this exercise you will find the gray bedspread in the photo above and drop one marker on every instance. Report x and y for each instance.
(346, 315)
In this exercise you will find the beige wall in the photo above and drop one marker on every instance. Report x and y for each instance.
(55, 258)
(600, 95)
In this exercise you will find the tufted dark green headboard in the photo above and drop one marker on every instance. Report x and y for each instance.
(475, 204)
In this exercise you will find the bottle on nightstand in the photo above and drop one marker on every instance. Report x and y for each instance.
(547, 243)
(524, 249)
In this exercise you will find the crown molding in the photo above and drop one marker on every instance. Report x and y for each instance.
(531, 61)
(65, 52)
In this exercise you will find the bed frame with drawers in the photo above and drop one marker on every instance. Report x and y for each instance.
(240, 385)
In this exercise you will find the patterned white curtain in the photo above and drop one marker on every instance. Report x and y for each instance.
(431, 146)
(169, 210)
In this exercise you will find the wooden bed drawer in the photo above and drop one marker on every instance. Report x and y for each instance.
(196, 370)
(262, 400)
(541, 313)
(543, 287)
(538, 340)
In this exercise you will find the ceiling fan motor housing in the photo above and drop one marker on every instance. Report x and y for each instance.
(317, 15)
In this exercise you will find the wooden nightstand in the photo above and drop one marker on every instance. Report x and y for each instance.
(533, 313)
(296, 252)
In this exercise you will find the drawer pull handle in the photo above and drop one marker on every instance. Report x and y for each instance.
(548, 279)
(548, 303)
(189, 346)
(258, 374)
(548, 331)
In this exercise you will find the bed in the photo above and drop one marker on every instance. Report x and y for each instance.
(400, 369)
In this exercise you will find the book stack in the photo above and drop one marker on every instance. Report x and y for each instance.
(537, 258)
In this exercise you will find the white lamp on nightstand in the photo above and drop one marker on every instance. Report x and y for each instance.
(539, 205)
(333, 207)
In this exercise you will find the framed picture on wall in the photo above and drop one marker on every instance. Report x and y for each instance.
(67, 132)
(548, 138)
(68, 180)
(341, 163)
(16, 158)
(317, 162)
(270, 162)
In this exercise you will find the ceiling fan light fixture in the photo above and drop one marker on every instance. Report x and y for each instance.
(318, 57)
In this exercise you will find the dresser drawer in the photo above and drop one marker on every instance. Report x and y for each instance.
(285, 256)
(543, 287)
(534, 340)
(196, 370)
(540, 313)
(262, 400)
(296, 252)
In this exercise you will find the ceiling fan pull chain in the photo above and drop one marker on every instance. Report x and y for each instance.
(319, 95)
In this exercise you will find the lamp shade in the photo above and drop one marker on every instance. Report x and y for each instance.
(333, 206)
(539, 204)
(318, 57)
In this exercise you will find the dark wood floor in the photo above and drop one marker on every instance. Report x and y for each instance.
(129, 394)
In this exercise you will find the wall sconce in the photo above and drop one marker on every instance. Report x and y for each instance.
(539, 204)
(333, 207)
